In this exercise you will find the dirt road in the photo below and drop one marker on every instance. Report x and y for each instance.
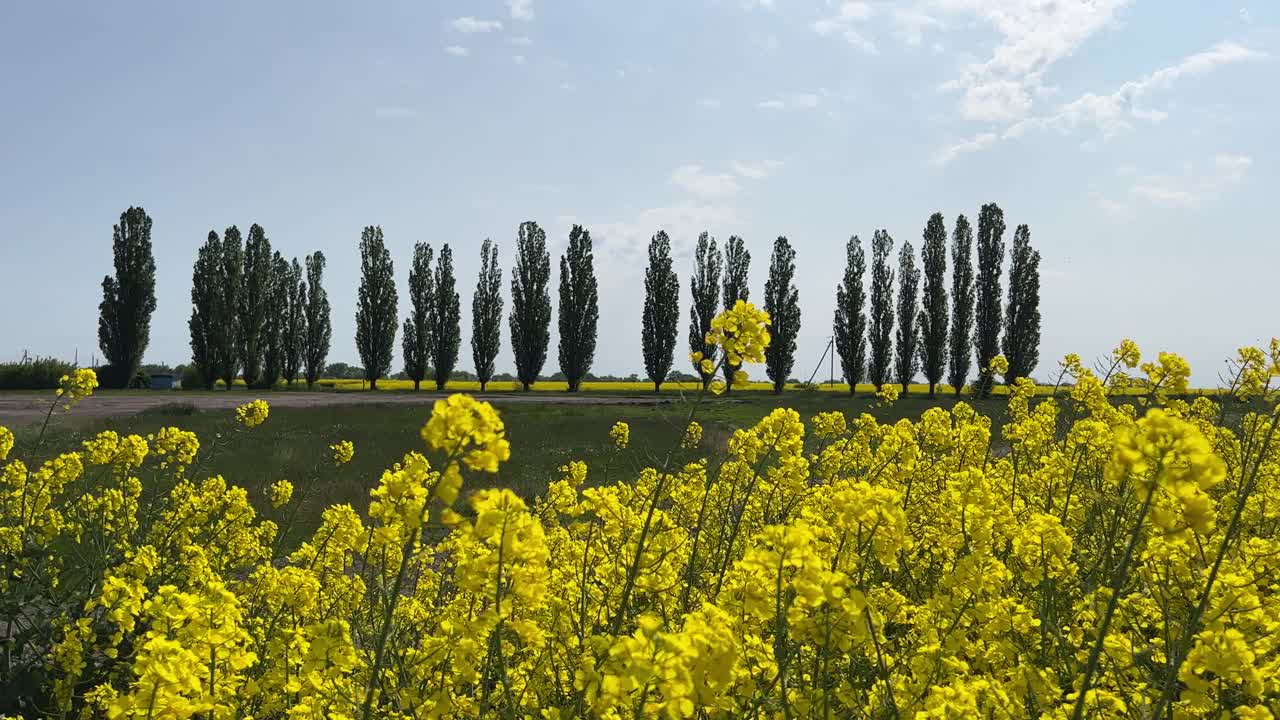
(20, 408)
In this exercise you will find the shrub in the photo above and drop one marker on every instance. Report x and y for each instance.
(33, 374)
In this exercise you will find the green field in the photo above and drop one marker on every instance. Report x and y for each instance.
(293, 443)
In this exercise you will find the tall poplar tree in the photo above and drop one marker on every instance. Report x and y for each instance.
(296, 324)
(851, 318)
(277, 317)
(782, 302)
(416, 338)
(530, 318)
(128, 298)
(319, 332)
(908, 305)
(661, 315)
(486, 314)
(376, 313)
(205, 323)
(986, 338)
(737, 271)
(880, 336)
(961, 304)
(579, 307)
(255, 304)
(934, 318)
(446, 317)
(1022, 315)
(705, 287)
(227, 348)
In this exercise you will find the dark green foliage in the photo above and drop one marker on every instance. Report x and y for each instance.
(227, 346)
(908, 345)
(416, 341)
(737, 269)
(579, 307)
(128, 297)
(207, 322)
(376, 313)
(277, 320)
(1022, 315)
(316, 337)
(661, 318)
(961, 304)
(34, 374)
(446, 316)
(986, 338)
(782, 302)
(486, 314)
(705, 286)
(880, 337)
(255, 304)
(851, 318)
(295, 327)
(530, 303)
(933, 303)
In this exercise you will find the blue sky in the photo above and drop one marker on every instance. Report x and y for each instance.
(1135, 137)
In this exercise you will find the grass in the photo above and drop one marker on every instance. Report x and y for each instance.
(293, 444)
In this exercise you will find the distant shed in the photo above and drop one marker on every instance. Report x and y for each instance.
(164, 381)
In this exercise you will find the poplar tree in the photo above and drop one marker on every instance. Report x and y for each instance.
(446, 316)
(705, 287)
(961, 304)
(376, 313)
(851, 320)
(530, 318)
(661, 315)
(277, 317)
(933, 303)
(416, 339)
(782, 302)
(227, 348)
(295, 328)
(205, 323)
(255, 304)
(319, 331)
(737, 269)
(579, 307)
(486, 314)
(128, 298)
(1022, 315)
(986, 339)
(908, 305)
(880, 336)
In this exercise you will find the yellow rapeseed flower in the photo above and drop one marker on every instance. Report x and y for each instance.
(621, 434)
(253, 414)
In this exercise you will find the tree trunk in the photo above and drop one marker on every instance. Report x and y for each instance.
(441, 385)
(933, 389)
(373, 384)
(657, 385)
(904, 388)
(482, 384)
(524, 386)
(416, 382)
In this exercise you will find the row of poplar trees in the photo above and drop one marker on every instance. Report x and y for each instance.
(931, 338)
(431, 337)
(255, 315)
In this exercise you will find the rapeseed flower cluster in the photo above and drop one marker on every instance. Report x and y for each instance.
(1093, 558)
(253, 414)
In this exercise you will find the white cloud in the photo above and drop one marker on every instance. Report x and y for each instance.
(1035, 34)
(1197, 186)
(1245, 17)
(762, 4)
(626, 241)
(457, 51)
(756, 171)
(910, 23)
(522, 40)
(395, 112)
(472, 25)
(521, 9)
(1233, 167)
(845, 23)
(1158, 191)
(973, 144)
(568, 86)
(1111, 113)
(795, 101)
(710, 103)
(518, 59)
(704, 184)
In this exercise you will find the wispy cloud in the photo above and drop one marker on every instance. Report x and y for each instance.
(1117, 111)
(457, 51)
(521, 9)
(522, 40)
(472, 25)
(847, 22)
(517, 59)
(568, 87)
(1197, 186)
(710, 103)
(757, 170)
(704, 184)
